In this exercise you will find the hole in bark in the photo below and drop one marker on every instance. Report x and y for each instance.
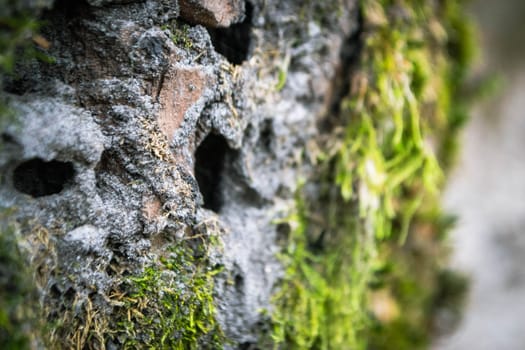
(283, 233)
(266, 136)
(39, 178)
(234, 42)
(6, 138)
(69, 9)
(209, 167)
(54, 291)
(239, 282)
(15, 86)
(69, 294)
(248, 346)
(349, 56)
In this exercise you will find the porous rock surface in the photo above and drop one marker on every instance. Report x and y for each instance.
(152, 124)
(212, 13)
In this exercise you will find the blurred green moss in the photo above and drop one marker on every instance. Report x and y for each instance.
(19, 308)
(19, 42)
(365, 261)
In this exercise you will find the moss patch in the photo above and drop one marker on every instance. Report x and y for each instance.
(19, 308)
(18, 28)
(19, 42)
(170, 304)
(179, 34)
(375, 244)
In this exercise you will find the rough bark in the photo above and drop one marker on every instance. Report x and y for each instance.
(147, 131)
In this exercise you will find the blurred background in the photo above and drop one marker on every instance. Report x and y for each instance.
(487, 189)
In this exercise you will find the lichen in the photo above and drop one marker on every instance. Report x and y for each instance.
(351, 260)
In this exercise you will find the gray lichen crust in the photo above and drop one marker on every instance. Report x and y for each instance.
(143, 135)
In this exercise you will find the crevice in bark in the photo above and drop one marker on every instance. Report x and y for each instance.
(341, 85)
(39, 178)
(68, 10)
(266, 135)
(209, 169)
(110, 165)
(234, 42)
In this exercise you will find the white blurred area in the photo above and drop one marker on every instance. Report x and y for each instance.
(487, 191)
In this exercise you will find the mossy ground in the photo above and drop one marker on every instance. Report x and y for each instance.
(365, 266)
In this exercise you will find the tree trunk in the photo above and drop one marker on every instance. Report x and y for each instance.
(163, 165)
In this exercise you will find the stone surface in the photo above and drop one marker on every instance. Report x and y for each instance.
(181, 89)
(212, 13)
(133, 94)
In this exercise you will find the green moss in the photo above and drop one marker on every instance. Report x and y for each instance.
(17, 31)
(19, 37)
(18, 43)
(180, 35)
(170, 304)
(376, 244)
(19, 309)
(320, 304)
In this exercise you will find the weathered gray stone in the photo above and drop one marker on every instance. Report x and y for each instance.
(132, 95)
(212, 13)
